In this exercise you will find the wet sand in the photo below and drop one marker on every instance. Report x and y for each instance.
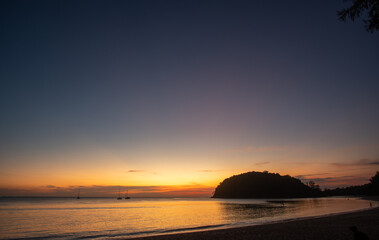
(327, 227)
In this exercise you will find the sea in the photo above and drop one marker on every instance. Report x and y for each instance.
(107, 218)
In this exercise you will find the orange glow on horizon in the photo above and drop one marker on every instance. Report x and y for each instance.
(100, 171)
(110, 191)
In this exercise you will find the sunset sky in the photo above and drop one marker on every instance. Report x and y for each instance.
(168, 98)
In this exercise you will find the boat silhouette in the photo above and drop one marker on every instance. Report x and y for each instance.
(119, 197)
(127, 195)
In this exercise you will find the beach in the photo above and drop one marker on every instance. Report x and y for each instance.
(326, 227)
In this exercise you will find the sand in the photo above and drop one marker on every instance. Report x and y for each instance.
(327, 227)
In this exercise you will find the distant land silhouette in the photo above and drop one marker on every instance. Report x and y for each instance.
(273, 185)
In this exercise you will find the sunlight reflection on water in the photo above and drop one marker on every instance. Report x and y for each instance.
(63, 218)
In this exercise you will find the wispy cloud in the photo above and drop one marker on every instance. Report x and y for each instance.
(261, 163)
(310, 175)
(330, 182)
(139, 171)
(357, 163)
(252, 149)
(135, 171)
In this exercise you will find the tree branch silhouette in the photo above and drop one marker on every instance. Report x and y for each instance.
(359, 8)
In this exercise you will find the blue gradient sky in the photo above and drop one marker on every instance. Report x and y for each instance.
(185, 92)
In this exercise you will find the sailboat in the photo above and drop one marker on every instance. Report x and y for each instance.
(127, 195)
(119, 197)
(78, 197)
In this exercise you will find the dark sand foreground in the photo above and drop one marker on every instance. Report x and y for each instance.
(329, 227)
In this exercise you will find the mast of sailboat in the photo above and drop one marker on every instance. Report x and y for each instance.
(119, 197)
(127, 194)
(78, 197)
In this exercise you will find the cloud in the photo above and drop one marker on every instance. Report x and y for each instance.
(331, 182)
(365, 161)
(252, 149)
(135, 171)
(310, 175)
(361, 162)
(261, 163)
(140, 171)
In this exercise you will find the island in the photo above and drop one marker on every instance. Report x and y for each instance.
(264, 185)
(273, 185)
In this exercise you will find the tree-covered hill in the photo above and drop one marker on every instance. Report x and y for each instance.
(264, 185)
(273, 185)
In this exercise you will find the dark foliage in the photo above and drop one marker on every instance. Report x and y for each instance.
(263, 185)
(348, 191)
(363, 7)
(371, 188)
(273, 185)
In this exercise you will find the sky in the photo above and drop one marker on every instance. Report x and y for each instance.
(168, 98)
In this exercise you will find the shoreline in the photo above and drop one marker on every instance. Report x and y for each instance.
(333, 226)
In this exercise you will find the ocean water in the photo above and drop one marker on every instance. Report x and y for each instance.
(99, 218)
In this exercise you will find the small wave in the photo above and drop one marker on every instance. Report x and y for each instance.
(143, 233)
(194, 228)
(152, 232)
(60, 236)
(149, 233)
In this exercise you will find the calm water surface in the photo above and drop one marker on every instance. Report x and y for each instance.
(98, 218)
